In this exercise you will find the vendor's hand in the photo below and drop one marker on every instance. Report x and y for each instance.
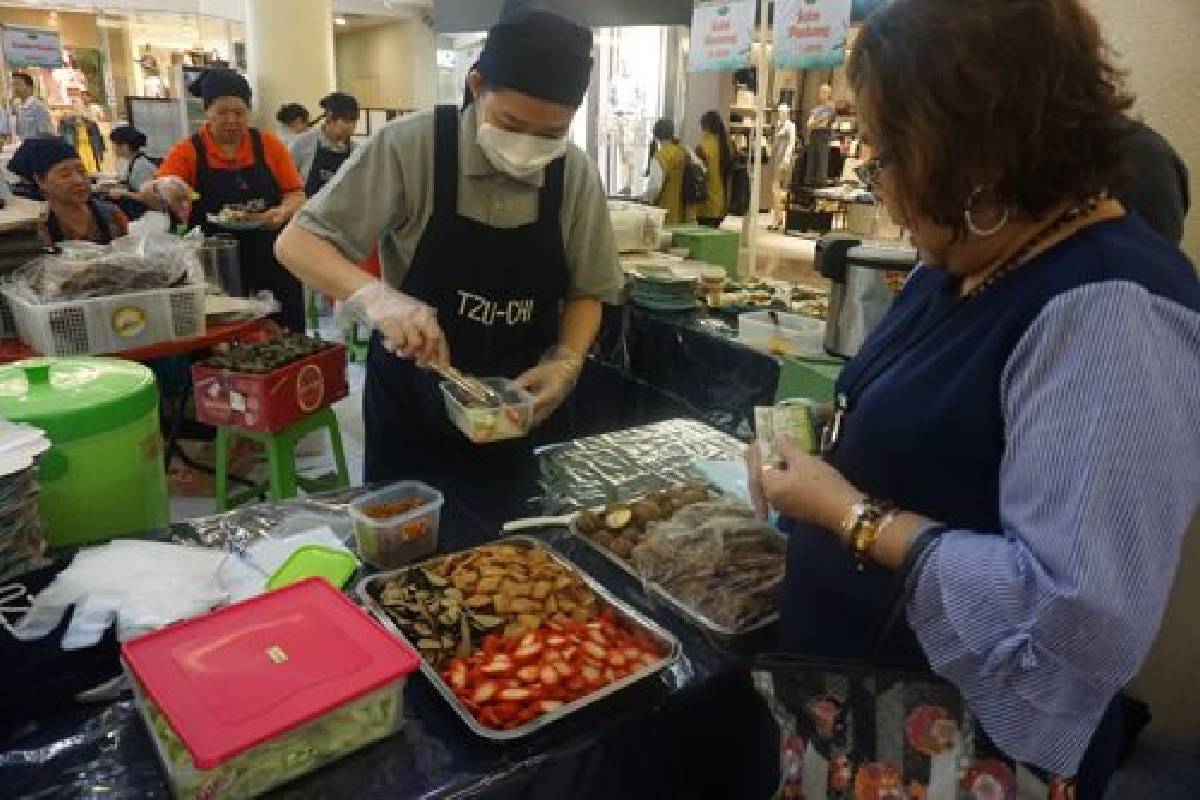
(118, 193)
(276, 217)
(409, 327)
(177, 195)
(804, 487)
(551, 381)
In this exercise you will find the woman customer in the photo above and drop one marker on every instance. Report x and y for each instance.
(128, 143)
(668, 162)
(321, 151)
(229, 164)
(1016, 444)
(293, 121)
(72, 214)
(716, 152)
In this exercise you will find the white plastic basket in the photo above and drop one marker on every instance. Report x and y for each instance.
(109, 324)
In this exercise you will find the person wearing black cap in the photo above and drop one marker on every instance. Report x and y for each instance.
(324, 148)
(230, 164)
(128, 143)
(495, 243)
(72, 215)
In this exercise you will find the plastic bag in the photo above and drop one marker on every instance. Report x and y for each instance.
(130, 264)
(717, 559)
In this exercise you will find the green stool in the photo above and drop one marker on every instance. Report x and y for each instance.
(356, 348)
(281, 461)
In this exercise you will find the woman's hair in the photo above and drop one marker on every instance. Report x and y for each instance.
(291, 112)
(711, 121)
(664, 130)
(1021, 95)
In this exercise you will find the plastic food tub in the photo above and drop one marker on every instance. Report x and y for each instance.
(256, 694)
(393, 537)
(512, 419)
(781, 333)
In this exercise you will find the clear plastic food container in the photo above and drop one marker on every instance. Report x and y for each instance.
(256, 694)
(781, 333)
(398, 524)
(483, 424)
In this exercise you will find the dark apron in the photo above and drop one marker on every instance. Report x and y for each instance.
(325, 165)
(498, 293)
(256, 248)
(103, 221)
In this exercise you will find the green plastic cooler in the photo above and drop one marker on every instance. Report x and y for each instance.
(103, 477)
(710, 245)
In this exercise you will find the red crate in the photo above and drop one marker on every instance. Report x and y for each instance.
(271, 401)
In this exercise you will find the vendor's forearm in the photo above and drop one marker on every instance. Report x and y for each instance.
(292, 201)
(580, 324)
(318, 263)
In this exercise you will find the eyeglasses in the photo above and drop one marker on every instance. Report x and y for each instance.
(869, 171)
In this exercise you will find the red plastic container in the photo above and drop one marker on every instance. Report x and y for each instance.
(256, 694)
(271, 401)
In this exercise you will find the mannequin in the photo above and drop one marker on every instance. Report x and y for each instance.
(783, 153)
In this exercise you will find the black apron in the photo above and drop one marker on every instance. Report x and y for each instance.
(103, 222)
(498, 293)
(256, 248)
(325, 165)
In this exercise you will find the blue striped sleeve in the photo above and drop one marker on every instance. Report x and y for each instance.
(1039, 627)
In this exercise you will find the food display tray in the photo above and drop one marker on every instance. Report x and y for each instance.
(693, 615)
(367, 593)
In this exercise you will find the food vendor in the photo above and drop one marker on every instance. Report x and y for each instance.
(1011, 470)
(322, 150)
(72, 214)
(128, 142)
(495, 240)
(229, 163)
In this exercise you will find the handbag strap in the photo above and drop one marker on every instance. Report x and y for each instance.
(905, 584)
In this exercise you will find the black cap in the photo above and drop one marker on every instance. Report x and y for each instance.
(127, 134)
(341, 105)
(37, 155)
(538, 53)
(213, 84)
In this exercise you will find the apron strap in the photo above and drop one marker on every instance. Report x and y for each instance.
(102, 222)
(201, 158)
(53, 228)
(256, 142)
(445, 162)
(551, 197)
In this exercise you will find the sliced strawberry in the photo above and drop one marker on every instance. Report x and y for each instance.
(528, 652)
(632, 653)
(591, 674)
(564, 670)
(546, 706)
(499, 665)
(549, 675)
(490, 718)
(556, 640)
(616, 658)
(610, 675)
(529, 673)
(597, 636)
(568, 653)
(595, 651)
(485, 692)
(456, 675)
(577, 684)
(648, 659)
(515, 695)
(528, 714)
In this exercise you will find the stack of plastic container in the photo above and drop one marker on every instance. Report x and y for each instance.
(22, 542)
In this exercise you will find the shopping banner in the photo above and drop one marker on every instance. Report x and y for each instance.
(32, 47)
(811, 34)
(721, 35)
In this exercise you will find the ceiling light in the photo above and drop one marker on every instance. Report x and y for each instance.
(339, 20)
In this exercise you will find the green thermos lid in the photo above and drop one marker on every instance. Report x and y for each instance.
(70, 398)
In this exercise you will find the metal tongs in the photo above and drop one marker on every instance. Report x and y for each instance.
(475, 390)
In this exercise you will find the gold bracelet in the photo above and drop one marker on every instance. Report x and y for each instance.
(863, 524)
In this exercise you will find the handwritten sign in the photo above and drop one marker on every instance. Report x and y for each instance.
(811, 34)
(721, 36)
(32, 47)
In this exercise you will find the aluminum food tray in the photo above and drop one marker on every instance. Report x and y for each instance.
(693, 615)
(625, 612)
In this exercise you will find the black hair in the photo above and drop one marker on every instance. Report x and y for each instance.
(339, 105)
(24, 77)
(291, 112)
(711, 122)
(127, 134)
(664, 130)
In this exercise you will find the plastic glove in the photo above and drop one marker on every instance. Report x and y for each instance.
(409, 327)
(142, 586)
(551, 381)
(176, 193)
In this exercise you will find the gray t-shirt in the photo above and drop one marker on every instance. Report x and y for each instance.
(384, 191)
(304, 149)
(141, 170)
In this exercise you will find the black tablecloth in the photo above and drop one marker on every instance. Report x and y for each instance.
(717, 379)
(700, 731)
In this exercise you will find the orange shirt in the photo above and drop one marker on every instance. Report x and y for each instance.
(181, 161)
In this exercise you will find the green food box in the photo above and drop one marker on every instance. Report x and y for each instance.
(710, 245)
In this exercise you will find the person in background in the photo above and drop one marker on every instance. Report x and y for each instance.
(72, 213)
(135, 167)
(496, 246)
(293, 121)
(1158, 190)
(80, 130)
(94, 111)
(229, 163)
(321, 151)
(1020, 532)
(32, 116)
(716, 151)
(668, 160)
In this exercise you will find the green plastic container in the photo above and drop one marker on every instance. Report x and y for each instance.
(712, 246)
(103, 477)
(808, 378)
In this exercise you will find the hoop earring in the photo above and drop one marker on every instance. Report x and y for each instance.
(969, 217)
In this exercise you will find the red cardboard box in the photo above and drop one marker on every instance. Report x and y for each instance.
(270, 402)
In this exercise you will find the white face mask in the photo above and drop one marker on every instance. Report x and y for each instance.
(518, 154)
